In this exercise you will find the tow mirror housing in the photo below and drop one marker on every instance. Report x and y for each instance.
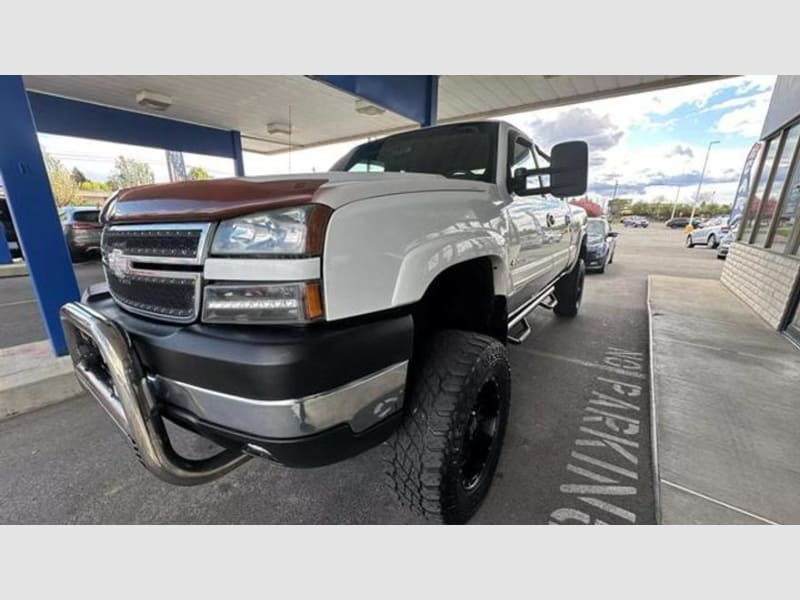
(568, 172)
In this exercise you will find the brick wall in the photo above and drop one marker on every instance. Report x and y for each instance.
(761, 279)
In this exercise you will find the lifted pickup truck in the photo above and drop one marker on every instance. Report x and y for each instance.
(306, 318)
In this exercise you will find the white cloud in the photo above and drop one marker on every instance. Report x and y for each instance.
(747, 120)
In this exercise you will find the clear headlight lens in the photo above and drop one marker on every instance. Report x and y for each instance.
(262, 303)
(293, 231)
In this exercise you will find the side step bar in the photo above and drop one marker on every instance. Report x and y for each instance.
(546, 299)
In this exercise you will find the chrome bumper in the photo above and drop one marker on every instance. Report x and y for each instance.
(360, 404)
(108, 367)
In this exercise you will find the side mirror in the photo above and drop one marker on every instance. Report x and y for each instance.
(568, 172)
(613, 233)
(569, 166)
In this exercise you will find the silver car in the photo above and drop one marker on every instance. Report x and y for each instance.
(709, 233)
(725, 243)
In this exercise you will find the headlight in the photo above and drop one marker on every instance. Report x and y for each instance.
(262, 303)
(292, 231)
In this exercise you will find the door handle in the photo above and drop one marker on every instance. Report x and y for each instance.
(551, 220)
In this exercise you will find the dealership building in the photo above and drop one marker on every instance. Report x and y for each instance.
(763, 266)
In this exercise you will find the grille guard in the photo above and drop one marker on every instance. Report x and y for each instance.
(118, 383)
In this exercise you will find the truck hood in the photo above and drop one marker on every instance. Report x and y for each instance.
(218, 199)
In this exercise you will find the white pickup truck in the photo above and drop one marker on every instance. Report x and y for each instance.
(306, 318)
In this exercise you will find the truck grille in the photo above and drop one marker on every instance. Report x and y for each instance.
(169, 243)
(148, 268)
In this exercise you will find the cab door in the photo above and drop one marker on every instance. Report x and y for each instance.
(531, 267)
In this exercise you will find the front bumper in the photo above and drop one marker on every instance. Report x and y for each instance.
(595, 259)
(128, 364)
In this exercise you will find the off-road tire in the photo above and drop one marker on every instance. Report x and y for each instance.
(569, 291)
(426, 459)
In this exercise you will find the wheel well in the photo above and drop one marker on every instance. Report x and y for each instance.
(582, 252)
(462, 297)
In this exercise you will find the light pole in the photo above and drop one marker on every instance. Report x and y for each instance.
(614, 195)
(674, 206)
(700, 184)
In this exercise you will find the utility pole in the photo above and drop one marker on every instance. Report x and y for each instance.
(700, 183)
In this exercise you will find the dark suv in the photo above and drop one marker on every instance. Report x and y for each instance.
(681, 222)
(82, 229)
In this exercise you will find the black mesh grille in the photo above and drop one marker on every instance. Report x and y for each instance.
(170, 297)
(176, 243)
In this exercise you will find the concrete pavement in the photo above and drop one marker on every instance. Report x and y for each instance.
(727, 408)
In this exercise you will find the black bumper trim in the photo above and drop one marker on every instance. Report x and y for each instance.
(263, 362)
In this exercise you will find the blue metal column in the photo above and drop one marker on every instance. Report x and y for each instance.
(33, 210)
(431, 101)
(5, 252)
(238, 158)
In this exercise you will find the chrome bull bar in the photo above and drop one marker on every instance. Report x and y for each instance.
(106, 365)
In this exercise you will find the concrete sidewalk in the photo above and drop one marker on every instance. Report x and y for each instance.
(31, 378)
(727, 408)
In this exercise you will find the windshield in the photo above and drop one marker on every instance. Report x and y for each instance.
(464, 151)
(595, 229)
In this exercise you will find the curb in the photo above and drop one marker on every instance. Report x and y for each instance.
(13, 270)
(653, 421)
(31, 378)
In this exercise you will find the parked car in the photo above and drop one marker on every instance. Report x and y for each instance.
(306, 318)
(8, 226)
(636, 222)
(681, 222)
(708, 233)
(600, 244)
(82, 229)
(725, 242)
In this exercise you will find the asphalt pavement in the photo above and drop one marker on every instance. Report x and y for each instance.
(19, 315)
(577, 450)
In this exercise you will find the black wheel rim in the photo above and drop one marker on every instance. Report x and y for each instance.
(480, 435)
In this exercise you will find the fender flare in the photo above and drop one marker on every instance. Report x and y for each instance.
(437, 255)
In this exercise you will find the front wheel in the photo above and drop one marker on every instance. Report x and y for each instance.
(712, 241)
(689, 241)
(569, 291)
(441, 460)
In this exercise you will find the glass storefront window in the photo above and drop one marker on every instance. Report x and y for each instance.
(781, 172)
(755, 201)
(788, 218)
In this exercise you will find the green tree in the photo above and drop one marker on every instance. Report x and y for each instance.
(65, 188)
(198, 174)
(616, 206)
(96, 186)
(78, 176)
(129, 172)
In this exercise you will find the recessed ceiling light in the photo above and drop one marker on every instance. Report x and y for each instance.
(367, 108)
(283, 128)
(153, 100)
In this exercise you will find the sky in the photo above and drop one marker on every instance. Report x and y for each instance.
(651, 145)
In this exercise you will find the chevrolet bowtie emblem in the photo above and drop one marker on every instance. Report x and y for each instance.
(118, 264)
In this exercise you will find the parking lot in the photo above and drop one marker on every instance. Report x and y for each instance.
(578, 446)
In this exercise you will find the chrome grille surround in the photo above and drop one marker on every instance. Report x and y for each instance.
(138, 256)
